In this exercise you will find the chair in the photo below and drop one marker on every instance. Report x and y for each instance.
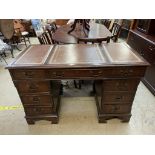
(5, 47)
(53, 27)
(92, 41)
(23, 36)
(107, 23)
(98, 21)
(2, 54)
(47, 35)
(20, 31)
(51, 31)
(13, 43)
(45, 39)
(115, 30)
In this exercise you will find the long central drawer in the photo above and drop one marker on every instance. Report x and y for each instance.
(108, 72)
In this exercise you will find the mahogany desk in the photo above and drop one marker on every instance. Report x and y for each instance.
(96, 31)
(37, 73)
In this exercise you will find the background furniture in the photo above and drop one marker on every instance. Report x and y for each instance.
(146, 26)
(96, 31)
(84, 23)
(92, 41)
(61, 22)
(107, 23)
(5, 47)
(44, 39)
(22, 36)
(37, 72)
(13, 32)
(125, 27)
(21, 32)
(2, 56)
(7, 30)
(28, 27)
(115, 30)
(144, 44)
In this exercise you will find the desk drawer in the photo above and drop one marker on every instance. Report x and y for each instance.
(33, 111)
(75, 73)
(117, 97)
(116, 109)
(108, 72)
(27, 74)
(42, 100)
(126, 72)
(120, 85)
(32, 86)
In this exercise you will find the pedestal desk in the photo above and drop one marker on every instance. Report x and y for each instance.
(37, 73)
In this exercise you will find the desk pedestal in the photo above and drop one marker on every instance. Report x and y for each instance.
(114, 98)
(39, 90)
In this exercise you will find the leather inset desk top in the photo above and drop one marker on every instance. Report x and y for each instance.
(34, 55)
(73, 54)
(120, 53)
(77, 56)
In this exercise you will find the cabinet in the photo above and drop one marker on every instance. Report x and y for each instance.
(146, 26)
(115, 97)
(145, 46)
(37, 95)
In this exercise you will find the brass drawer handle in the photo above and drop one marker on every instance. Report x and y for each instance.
(119, 98)
(121, 71)
(130, 70)
(37, 109)
(116, 108)
(58, 74)
(28, 74)
(151, 48)
(96, 74)
(126, 72)
(142, 53)
(122, 85)
(36, 99)
(33, 87)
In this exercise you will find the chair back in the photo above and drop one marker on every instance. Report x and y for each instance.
(44, 38)
(115, 30)
(92, 41)
(53, 27)
(50, 32)
(107, 23)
